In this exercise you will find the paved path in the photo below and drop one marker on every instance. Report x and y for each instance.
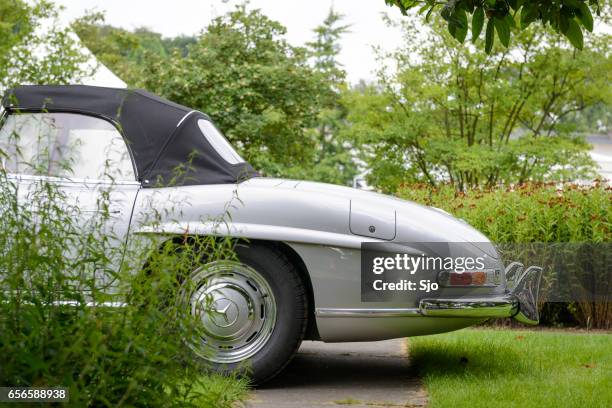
(355, 375)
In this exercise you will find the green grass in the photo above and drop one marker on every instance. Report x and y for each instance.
(483, 368)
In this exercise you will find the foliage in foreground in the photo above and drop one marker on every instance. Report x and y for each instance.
(568, 17)
(483, 368)
(136, 355)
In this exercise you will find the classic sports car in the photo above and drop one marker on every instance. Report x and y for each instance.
(300, 276)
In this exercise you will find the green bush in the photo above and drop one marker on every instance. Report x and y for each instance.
(536, 213)
(529, 212)
(106, 356)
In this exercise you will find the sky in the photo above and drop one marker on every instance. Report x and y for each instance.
(171, 18)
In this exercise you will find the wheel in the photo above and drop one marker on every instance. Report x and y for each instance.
(253, 312)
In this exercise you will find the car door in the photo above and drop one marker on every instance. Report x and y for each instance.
(87, 160)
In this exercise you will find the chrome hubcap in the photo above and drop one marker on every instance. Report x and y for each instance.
(236, 307)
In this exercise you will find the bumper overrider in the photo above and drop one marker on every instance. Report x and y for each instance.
(520, 302)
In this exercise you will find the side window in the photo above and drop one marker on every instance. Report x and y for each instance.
(64, 145)
(219, 142)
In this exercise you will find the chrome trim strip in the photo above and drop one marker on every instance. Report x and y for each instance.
(332, 312)
(86, 304)
(433, 308)
(89, 304)
(185, 117)
(68, 180)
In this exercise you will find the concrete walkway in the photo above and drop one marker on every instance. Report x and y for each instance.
(356, 375)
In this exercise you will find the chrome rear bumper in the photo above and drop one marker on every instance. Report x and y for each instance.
(520, 303)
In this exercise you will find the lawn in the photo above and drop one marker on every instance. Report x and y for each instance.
(488, 367)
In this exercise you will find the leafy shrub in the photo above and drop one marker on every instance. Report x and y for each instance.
(529, 213)
(106, 356)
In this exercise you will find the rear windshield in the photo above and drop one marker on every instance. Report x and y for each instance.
(219, 142)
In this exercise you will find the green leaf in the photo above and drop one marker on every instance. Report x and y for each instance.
(446, 12)
(503, 30)
(489, 36)
(574, 34)
(477, 23)
(461, 25)
(429, 13)
(529, 14)
(564, 19)
(585, 16)
(397, 3)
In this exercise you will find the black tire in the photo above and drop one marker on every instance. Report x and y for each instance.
(291, 313)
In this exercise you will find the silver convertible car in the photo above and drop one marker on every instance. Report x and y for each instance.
(319, 257)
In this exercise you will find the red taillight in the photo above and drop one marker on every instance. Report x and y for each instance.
(488, 277)
(464, 278)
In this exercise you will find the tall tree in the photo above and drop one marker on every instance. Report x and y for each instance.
(453, 113)
(258, 88)
(332, 160)
(326, 47)
(126, 52)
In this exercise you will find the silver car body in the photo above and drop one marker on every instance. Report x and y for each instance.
(326, 225)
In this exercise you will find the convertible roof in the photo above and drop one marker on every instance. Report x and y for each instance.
(164, 138)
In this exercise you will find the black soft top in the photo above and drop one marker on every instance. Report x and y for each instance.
(164, 138)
